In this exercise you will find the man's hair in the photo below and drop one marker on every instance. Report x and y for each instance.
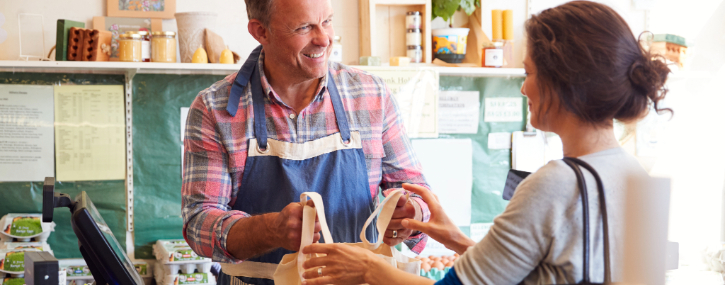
(260, 10)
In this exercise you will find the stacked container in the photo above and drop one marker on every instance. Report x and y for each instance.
(177, 264)
(20, 233)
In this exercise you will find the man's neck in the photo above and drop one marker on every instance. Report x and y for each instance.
(293, 92)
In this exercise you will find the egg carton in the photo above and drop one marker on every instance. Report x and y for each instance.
(76, 269)
(11, 280)
(12, 261)
(197, 278)
(144, 269)
(41, 246)
(25, 228)
(176, 252)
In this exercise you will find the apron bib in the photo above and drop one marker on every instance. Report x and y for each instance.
(277, 172)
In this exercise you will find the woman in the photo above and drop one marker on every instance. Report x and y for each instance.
(584, 69)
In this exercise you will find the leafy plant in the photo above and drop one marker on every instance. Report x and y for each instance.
(446, 8)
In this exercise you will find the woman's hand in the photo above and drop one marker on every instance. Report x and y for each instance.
(343, 264)
(439, 227)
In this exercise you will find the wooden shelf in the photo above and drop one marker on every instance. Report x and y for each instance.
(221, 69)
(381, 26)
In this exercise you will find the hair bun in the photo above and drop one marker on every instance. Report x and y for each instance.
(648, 75)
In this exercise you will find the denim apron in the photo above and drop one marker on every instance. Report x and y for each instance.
(277, 172)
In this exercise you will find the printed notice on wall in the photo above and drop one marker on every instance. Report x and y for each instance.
(26, 132)
(89, 132)
(503, 109)
(458, 112)
(416, 92)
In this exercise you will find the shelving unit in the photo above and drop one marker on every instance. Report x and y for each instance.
(131, 68)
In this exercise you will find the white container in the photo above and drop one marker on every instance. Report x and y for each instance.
(7, 221)
(336, 53)
(413, 37)
(415, 53)
(413, 20)
(191, 27)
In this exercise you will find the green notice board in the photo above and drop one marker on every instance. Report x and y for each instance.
(157, 99)
(26, 197)
(490, 167)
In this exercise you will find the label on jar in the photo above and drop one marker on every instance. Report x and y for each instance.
(493, 57)
(412, 39)
(145, 50)
(336, 53)
(412, 21)
(415, 55)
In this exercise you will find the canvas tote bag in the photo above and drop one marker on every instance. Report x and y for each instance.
(289, 271)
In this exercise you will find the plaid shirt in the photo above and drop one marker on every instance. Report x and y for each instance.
(215, 149)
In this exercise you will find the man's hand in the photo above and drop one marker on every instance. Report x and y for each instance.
(286, 227)
(403, 210)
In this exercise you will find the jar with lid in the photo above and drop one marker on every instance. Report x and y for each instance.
(493, 55)
(129, 47)
(412, 20)
(413, 37)
(415, 53)
(163, 46)
(336, 53)
(145, 44)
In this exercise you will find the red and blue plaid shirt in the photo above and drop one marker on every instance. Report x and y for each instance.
(215, 149)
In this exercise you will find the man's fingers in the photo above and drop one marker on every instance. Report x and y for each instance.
(402, 233)
(414, 225)
(402, 201)
(316, 262)
(317, 248)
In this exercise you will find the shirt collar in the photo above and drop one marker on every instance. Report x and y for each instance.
(321, 88)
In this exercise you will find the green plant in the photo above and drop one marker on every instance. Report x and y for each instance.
(446, 8)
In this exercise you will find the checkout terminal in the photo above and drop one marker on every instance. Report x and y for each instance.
(100, 249)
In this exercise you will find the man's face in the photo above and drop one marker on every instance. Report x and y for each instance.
(300, 37)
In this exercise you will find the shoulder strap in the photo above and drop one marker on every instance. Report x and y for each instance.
(574, 164)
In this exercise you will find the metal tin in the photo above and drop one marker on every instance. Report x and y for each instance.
(413, 37)
(413, 20)
(415, 53)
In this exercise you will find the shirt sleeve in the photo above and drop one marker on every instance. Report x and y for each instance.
(400, 164)
(451, 278)
(206, 186)
(519, 238)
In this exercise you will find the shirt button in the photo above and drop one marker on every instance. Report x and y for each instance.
(292, 116)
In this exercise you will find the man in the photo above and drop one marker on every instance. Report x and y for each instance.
(326, 128)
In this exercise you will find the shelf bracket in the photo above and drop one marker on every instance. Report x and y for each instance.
(130, 73)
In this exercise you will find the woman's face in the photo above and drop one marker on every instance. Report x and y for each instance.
(537, 108)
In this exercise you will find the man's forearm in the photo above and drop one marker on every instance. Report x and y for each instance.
(251, 237)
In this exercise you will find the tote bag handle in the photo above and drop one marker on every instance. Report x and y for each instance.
(384, 212)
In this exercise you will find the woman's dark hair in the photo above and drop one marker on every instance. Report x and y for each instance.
(586, 55)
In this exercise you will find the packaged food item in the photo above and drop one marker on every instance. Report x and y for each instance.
(40, 246)
(13, 260)
(12, 281)
(24, 228)
(175, 250)
(163, 46)
(130, 48)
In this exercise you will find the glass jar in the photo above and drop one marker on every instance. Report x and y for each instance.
(129, 47)
(145, 44)
(163, 47)
(493, 55)
(415, 53)
(413, 37)
(336, 54)
(412, 20)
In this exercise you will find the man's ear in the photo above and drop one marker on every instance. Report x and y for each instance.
(258, 31)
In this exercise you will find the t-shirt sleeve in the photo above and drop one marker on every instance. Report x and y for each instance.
(519, 238)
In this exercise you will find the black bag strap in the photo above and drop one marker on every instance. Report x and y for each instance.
(574, 164)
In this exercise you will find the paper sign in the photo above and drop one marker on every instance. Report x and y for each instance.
(416, 92)
(458, 112)
(528, 151)
(435, 248)
(479, 230)
(448, 169)
(90, 141)
(182, 122)
(26, 132)
(503, 109)
(499, 141)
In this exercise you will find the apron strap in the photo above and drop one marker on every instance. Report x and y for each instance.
(260, 118)
(242, 80)
(340, 114)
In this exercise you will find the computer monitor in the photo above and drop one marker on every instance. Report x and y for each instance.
(104, 256)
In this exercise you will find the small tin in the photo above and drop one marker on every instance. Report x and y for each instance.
(413, 37)
(415, 53)
(412, 20)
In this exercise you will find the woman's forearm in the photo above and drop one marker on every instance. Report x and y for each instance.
(381, 273)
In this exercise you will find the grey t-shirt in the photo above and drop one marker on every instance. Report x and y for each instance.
(538, 239)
